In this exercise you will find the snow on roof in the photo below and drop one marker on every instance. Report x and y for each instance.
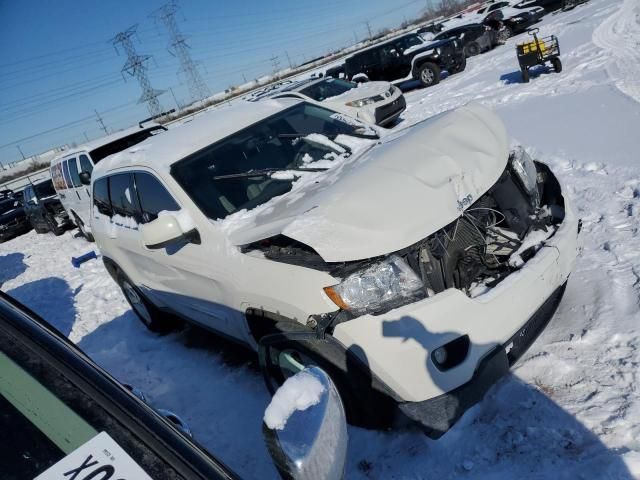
(161, 151)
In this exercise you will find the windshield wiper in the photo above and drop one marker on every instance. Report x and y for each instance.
(267, 171)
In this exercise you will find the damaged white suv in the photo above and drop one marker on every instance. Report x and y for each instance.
(414, 267)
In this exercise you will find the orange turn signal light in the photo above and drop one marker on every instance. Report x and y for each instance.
(335, 298)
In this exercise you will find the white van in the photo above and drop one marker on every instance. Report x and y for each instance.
(71, 172)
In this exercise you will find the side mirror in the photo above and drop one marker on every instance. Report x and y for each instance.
(360, 78)
(305, 427)
(85, 178)
(165, 231)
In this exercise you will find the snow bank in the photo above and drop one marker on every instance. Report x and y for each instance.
(297, 393)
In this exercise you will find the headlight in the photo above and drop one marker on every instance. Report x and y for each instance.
(517, 19)
(438, 51)
(365, 101)
(526, 171)
(381, 286)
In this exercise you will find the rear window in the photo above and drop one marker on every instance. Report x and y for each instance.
(45, 189)
(328, 88)
(154, 198)
(124, 143)
(101, 196)
(56, 176)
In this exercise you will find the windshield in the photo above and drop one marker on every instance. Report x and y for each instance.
(45, 189)
(125, 142)
(8, 205)
(331, 87)
(245, 169)
(408, 41)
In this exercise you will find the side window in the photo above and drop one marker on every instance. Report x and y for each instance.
(85, 164)
(65, 172)
(101, 196)
(154, 198)
(122, 195)
(73, 172)
(56, 175)
(29, 196)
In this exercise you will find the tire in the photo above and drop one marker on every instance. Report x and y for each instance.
(472, 49)
(525, 75)
(505, 34)
(151, 317)
(88, 237)
(557, 64)
(54, 227)
(459, 67)
(429, 74)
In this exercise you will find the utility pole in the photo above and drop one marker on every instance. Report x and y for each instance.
(179, 48)
(135, 66)
(85, 136)
(275, 61)
(175, 99)
(355, 36)
(288, 59)
(368, 28)
(21, 153)
(244, 77)
(102, 125)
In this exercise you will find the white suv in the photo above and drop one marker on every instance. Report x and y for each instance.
(415, 267)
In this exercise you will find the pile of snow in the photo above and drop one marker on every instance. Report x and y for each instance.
(297, 393)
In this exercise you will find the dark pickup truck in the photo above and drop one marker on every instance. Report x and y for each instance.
(44, 209)
(13, 221)
(408, 57)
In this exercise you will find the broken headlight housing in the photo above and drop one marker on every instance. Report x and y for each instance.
(379, 287)
(525, 170)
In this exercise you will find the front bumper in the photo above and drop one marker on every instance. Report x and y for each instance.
(439, 414)
(386, 114)
(397, 345)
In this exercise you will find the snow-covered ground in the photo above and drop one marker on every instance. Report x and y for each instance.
(571, 407)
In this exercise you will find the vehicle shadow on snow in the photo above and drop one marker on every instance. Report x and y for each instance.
(517, 430)
(52, 299)
(516, 76)
(214, 385)
(11, 266)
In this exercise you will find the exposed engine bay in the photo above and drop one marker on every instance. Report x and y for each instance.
(493, 236)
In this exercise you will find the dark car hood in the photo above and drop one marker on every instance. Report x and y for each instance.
(432, 45)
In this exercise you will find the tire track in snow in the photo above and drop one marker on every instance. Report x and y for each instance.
(619, 35)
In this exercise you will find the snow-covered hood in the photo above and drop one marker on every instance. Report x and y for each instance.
(393, 195)
(364, 90)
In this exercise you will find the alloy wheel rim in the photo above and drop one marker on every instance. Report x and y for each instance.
(427, 75)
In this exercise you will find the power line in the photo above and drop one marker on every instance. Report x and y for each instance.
(178, 46)
(135, 66)
(102, 125)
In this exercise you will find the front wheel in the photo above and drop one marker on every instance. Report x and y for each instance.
(429, 74)
(459, 66)
(150, 316)
(557, 64)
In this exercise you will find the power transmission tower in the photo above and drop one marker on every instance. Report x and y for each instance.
(275, 61)
(102, 125)
(178, 47)
(368, 29)
(135, 66)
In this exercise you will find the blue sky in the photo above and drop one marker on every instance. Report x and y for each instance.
(57, 65)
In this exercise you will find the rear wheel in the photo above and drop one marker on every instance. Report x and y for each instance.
(460, 66)
(472, 49)
(525, 75)
(429, 74)
(151, 317)
(82, 229)
(557, 64)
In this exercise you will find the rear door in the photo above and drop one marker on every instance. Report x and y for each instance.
(82, 192)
